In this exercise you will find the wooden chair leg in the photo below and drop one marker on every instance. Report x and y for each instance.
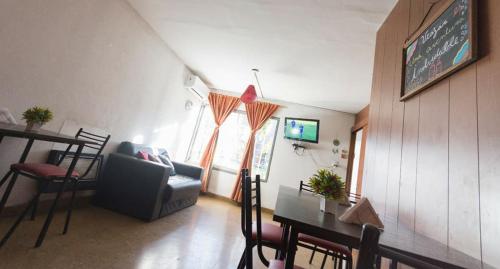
(324, 260)
(6, 194)
(312, 254)
(340, 263)
(70, 209)
(19, 219)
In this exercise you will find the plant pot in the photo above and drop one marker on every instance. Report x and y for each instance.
(327, 205)
(33, 127)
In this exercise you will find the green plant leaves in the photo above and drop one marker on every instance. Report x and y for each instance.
(328, 184)
(38, 115)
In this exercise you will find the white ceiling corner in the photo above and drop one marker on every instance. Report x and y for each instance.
(312, 52)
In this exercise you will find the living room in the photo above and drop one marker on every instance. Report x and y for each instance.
(129, 130)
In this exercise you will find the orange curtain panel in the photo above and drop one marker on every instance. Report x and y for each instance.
(257, 113)
(222, 106)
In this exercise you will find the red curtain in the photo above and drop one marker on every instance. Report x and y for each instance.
(257, 113)
(222, 106)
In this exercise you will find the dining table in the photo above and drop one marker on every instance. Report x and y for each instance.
(299, 212)
(19, 131)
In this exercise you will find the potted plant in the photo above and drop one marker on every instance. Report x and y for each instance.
(36, 117)
(330, 187)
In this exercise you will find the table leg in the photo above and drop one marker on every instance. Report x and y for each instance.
(284, 240)
(292, 248)
(46, 225)
(26, 150)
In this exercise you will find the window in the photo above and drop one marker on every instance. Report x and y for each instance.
(233, 137)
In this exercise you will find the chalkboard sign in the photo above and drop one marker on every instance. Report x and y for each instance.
(446, 44)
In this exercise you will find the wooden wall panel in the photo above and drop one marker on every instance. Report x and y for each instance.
(392, 198)
(448, 138)
(431, 206)
(488, 94)
(464, 233)
(385, 113)
(373, 115)
(406, 206)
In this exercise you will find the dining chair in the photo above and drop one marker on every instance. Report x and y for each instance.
(257, 233)
(370, 253)
(339, 253)
(257, 237)
(50, 176)
(368, 247)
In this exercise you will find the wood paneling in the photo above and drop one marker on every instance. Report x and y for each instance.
(431, 201)
(374, 111)
(384, 122)
(434, 161)
(464, 233)
(488, 95)
(402, 13)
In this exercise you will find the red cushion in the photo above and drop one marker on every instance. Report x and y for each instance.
(277, 264)
(43, 169)
(142, 155)
(270, 233)
(325, 244)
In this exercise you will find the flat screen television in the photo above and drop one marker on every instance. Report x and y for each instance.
(304, 130)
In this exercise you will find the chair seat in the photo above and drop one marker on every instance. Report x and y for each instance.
(270, 233)
(43, 170)
(277, 264)
(325, 244)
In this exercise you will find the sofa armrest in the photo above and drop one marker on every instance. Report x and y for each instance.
(192, 171)
(132, 186)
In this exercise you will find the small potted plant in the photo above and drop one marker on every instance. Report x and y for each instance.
(36, 117)
(330, 187)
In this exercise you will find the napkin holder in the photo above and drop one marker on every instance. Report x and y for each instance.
(362, 213)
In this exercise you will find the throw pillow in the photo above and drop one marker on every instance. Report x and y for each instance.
(142, 155)
(166, 160)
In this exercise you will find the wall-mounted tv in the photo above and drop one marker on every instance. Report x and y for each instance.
(304, 130)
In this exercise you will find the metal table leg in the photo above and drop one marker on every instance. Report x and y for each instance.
(48, 220)
(284, 240)
(292, 248)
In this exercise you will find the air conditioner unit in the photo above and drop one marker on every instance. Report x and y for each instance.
(196, 86)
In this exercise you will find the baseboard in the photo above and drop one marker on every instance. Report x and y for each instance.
(229, 200)
(44, 206)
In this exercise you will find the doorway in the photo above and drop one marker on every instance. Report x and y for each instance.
(356, 160)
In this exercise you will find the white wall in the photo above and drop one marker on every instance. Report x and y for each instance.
(94, 62)
(287, 168)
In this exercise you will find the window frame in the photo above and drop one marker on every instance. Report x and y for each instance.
(220, 167)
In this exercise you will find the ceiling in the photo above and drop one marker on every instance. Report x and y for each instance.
(312, 52)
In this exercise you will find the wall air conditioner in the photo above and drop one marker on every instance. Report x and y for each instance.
(197, 87)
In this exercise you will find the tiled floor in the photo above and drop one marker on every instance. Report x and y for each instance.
(207, 235)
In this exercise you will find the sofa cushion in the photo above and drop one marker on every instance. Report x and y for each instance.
(165, 159)
(131, 149)
(154, 158)
(180, 186)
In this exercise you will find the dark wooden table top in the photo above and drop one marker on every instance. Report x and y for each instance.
(301, 209)
(15, 130)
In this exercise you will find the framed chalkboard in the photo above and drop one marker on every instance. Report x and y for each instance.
(442, 46)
